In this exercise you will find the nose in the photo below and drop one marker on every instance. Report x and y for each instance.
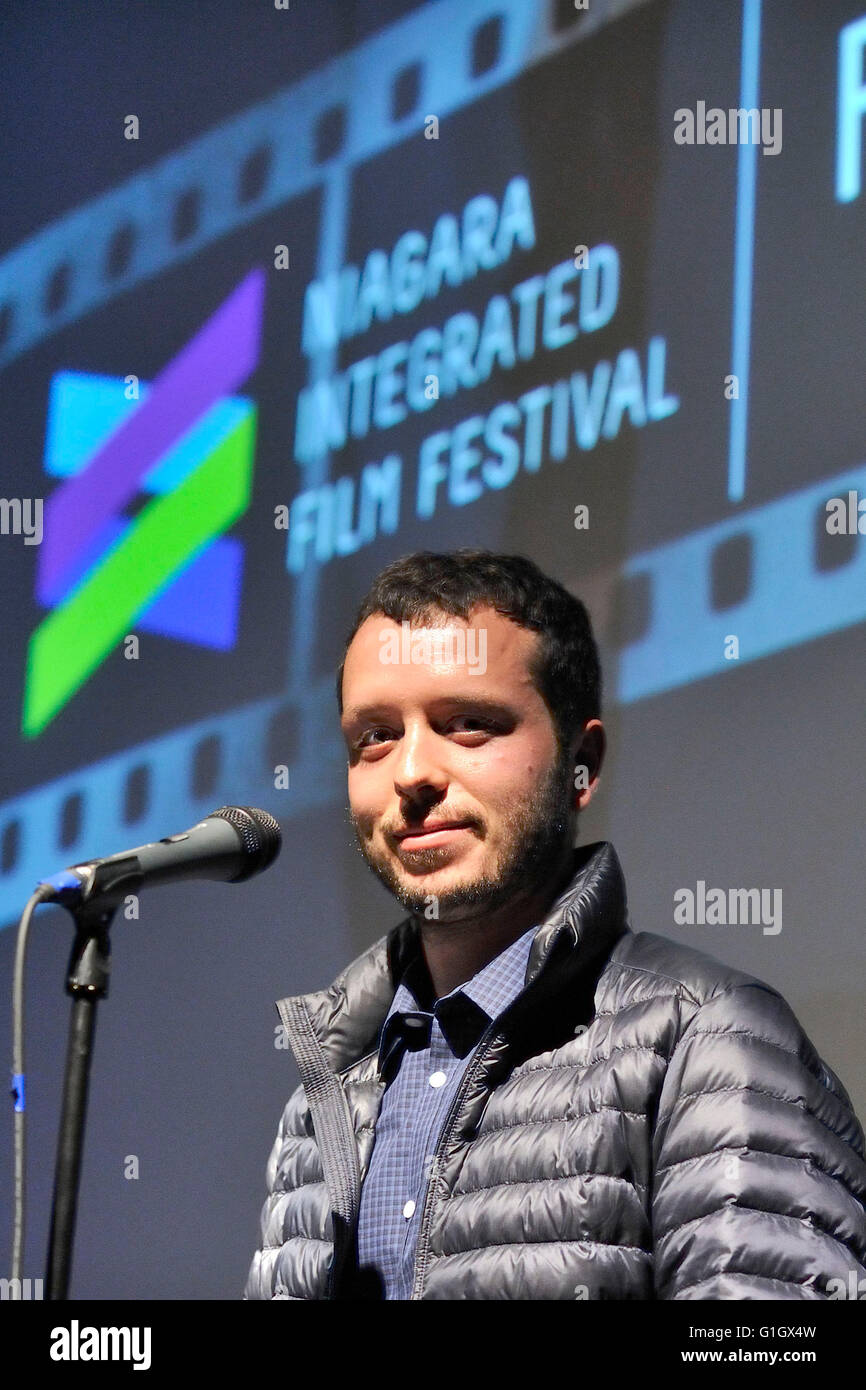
(418, 771)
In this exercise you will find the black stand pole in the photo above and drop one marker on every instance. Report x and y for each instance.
(87, 982)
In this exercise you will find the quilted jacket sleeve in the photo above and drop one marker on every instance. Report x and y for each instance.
(260, 1279)
(759, 1177)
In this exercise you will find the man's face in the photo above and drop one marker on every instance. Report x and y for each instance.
(447, 737)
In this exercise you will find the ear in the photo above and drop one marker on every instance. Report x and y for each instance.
(589, 750)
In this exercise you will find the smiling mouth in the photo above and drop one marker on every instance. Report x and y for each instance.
(426, 835)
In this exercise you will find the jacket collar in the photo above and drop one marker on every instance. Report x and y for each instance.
(578, 933)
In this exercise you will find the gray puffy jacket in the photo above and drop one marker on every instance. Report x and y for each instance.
(642, 1122)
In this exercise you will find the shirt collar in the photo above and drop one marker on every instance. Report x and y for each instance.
(463, 1014)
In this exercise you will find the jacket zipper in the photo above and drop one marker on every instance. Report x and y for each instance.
(422, 1251)
(328, 1103)
(423, 1248)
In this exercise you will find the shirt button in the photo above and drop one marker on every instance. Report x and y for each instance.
(438, 1078)
(408, 1209)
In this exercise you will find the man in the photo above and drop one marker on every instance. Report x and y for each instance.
(512, 1095)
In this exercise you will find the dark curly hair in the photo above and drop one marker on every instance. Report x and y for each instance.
(566, 669)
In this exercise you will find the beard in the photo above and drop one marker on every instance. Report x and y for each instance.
(536, 831)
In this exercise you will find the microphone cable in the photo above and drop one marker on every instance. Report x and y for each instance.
(18, 1090)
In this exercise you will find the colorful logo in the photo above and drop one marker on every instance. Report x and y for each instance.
(189, 445)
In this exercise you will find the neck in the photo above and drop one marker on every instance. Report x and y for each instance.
(457, 950)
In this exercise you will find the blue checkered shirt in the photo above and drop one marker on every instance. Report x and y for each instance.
(425, 1046)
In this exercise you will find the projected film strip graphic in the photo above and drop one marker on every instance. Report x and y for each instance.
(128, 236)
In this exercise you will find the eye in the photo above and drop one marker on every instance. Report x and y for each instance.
(362, 741)
(475, 724)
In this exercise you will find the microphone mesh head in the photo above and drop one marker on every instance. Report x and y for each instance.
(260, 835)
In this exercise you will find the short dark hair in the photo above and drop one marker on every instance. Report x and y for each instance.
(566, 670)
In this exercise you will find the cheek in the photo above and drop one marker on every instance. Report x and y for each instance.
(362, 796)
(371, 794)
(499, 778)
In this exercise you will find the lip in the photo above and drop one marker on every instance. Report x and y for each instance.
(434, 834)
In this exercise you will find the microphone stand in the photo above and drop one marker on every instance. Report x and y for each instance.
(87, 982)
(247, 840)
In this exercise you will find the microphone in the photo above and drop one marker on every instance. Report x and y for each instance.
(229, 845)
